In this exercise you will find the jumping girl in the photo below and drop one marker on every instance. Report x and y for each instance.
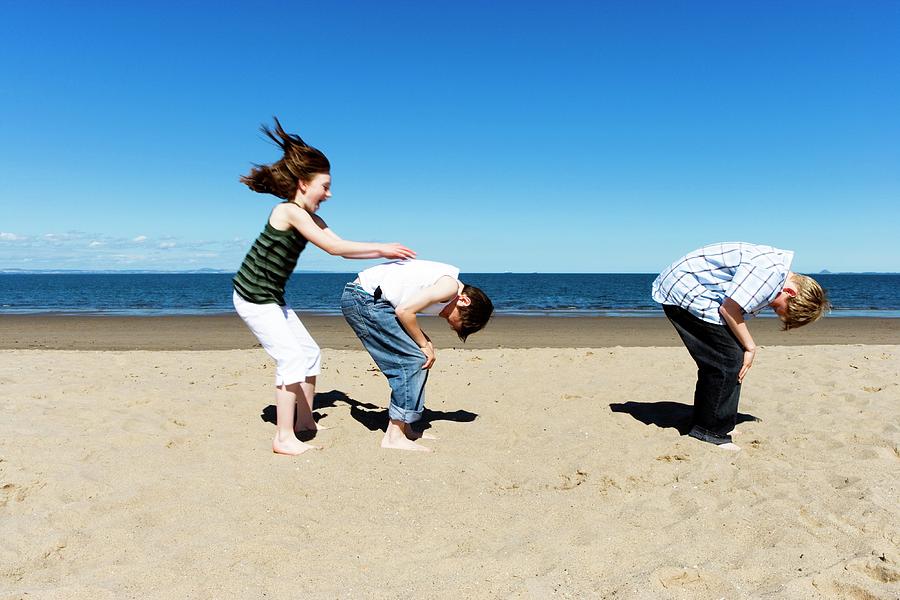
(302, 178)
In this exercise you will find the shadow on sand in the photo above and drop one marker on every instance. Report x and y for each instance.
(666, 414)
(372, 417)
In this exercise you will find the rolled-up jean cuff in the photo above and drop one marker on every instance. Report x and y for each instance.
(407, 416)
(705, 435)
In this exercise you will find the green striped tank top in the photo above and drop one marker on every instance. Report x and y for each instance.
(268, 266)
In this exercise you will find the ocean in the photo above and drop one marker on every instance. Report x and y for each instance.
(544, 294)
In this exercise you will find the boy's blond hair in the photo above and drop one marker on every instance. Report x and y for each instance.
(810, 304)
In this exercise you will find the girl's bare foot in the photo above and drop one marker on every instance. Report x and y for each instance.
(303, 427)
(290, 447)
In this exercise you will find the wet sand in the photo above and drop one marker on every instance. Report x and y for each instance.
(227, 332)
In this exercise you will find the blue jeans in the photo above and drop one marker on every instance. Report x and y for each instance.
(719, 357)
(395, 353)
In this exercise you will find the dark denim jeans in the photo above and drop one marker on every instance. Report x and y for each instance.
(395, 353)
(719, 357)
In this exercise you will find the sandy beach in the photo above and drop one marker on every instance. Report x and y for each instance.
(135, 462)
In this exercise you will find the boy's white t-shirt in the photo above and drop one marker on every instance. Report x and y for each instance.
(400, 280)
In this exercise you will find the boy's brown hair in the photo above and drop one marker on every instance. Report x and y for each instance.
(809, 305)
(300, 162)
(474, 316)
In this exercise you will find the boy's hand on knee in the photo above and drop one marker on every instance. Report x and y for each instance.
(428, 351)
(749, 355)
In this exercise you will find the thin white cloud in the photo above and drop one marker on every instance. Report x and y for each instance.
(128, 257)
(93, 250)
(68, 236)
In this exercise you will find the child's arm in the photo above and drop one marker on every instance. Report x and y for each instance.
(396, 250)
(314, 229)
(443, 290)
(733, 315)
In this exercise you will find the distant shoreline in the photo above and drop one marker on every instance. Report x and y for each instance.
(612, 313)
(301, 271)
(227, 332)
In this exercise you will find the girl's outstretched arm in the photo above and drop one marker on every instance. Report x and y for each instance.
(314, 229)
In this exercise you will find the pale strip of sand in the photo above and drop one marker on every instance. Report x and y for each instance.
(227, 332)
(558, 472)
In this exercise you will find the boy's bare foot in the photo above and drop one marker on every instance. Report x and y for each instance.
(290, 447)
(397, 437)
(412, 434)
(730, 446)
(402, 444)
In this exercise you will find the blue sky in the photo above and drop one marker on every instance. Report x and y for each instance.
(498, 136)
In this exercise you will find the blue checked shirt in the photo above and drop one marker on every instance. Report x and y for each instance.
(750, 274)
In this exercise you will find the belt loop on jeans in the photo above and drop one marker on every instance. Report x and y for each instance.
(377, 293)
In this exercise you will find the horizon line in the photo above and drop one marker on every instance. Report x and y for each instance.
(18, 271)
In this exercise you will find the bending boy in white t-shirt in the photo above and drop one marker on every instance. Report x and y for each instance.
(381, 307)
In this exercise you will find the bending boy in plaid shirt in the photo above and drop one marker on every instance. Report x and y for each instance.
(707, 295)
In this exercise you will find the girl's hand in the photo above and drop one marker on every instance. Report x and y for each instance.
(395, 250)
(749, 355)
(428, 351)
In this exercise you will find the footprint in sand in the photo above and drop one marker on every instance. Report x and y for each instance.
(508, 487)
(674, 578)
(810, 519)
(852, 592)
(863, 577)
(840, 482)
(7, 491)
(605, 484)
(872, 389)
(14, 492)
(673, 457)
(701, 584)
(572, 481)
(879, 567)
(672, 582)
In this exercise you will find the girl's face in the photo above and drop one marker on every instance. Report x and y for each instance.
(315, 191)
